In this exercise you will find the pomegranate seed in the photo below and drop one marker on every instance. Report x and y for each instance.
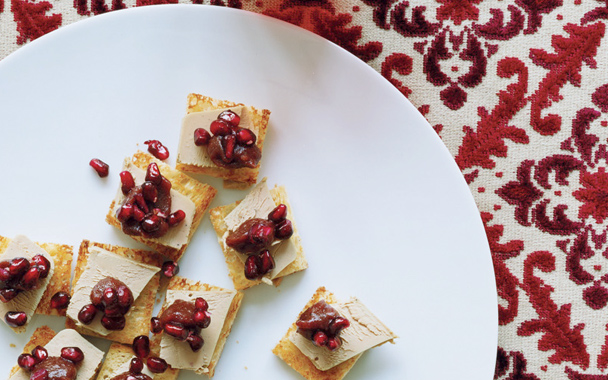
(220, 128)
(155, 325)
(40, 353)
(262, 234)
(157, 365)
(40, 374)
(30, 278)
(165, 185)
(138, 214)
(141, 346)
(5, 275)
(5, 264)
(176, 217)
(252, 270)
(231, 117)
(26, 361)
(170, 269)
(43, 264)
(149, 192)
(176, 331)
(283, 230)
(15, 318)
(337, 324)
(60, 300)
(8, 294)
(141, 202)
(229, 144)
(320, 338)
(136, 366)
(195, 341)
(124, 295)
(245, 136)
(87, 314)
(125, 212)
(201, 304)
(333, 343)
(157, 149)
(202, 319)
(100, 167)
(110, 298)
(73, 354)
(153, 174)
(127, 181)
(278, 214)
(267, 262)
(113, 323)
(18, 266)
(113, 311)
(201, 137)
(151, 223)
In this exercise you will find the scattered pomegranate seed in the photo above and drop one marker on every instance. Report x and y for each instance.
(262, 233)
(149, 192)
(229, 145)
(30, 278)
(15, 318)
(157, 149)
(136, 366)
(176, 331)
(8, 294)
(18, 266)
(267, 262)
(231, 117)
(141, 202)
(195, 341)
(202, 319)
(155, 325)
(245, 136)
(201, 304)
(127, 181)
(151, 223)
(333, 343)
(337, 324)
(320, 338)
(153, 174)
(5, 275)
(251, 268)
(125, 212)
(278, 214)
(87, 313)
(138, 214)
(157, 365)
(100, 167)
(113, 323)
(283, 230)
(176, 217)
(26, 361)
(40, 374)
(141, 346)
(110, 298)
(220, 128)
(201, 137)
(40, 353)
(73, 354)
(112, 311)
(170, 269)
(60, 300)
(124, 295)
(43, 264)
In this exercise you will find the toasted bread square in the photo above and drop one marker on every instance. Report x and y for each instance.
(118, 355)
(60, 281)
(292, 355)
(199, 193)
(138, 318)
(233, 178)
(181, 283)
(236, 267)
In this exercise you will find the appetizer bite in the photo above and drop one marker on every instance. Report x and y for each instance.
(329, 336)
(194, 323)
(30, 275)
(138, 361)
(62, 356)
(222, 139)
(258, 237)
(114, 291)
(159, 206)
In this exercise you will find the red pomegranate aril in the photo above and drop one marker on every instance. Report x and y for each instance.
(283, 230)
(15, 318)
(267, 262)
(18, 266)
(26, 361)
(5, 275)
(40, 374)
(262, 233)
(138, 214)
(110, 298)
(333, 343)
(8, 294)
(201, 137)
(278, 214)
(151, 223)
(73, 354)
(231, 117)
(153, 174)
(201, 304)
(42, 263)
(155, 325)
(220, 128)
(156, 365)
(30, 278)
(252, 270)
(141, 202)
(202, 319)
(127, 181)
(195, 341)
(149, 192)
(60, 300)
(176, 331)
(40, 353)
(100, 167)
(229, 145)
(87, 314)
(136, 366)
(113, 323)
(113, 311)
(320, 338)
(176, 217)
(125, 212)
(245, 136)
(337, 324)
(141, 346)
(170, 269)
(157, 149)
(124, 295)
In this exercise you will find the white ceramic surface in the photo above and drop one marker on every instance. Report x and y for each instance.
(383, 211)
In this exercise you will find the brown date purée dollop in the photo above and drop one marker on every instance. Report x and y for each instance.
(322, 324)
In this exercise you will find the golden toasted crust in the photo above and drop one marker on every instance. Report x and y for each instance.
(235, 266)
(138, 318)
(181, 283)
(118, 354)
(300, 362)
(199, 193)
(60, 281)
(41, 336)
(233, 178)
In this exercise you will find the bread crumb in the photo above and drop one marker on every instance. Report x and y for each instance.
(246, 368)
(12, 345)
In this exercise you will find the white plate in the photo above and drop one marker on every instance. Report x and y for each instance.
(383, 211)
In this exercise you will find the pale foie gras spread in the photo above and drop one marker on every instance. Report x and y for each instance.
(188, 152)
(102, 264)
(176, 236)
(70, 338)
(258, 204)
(365, 331)
(179, 354)
(26, 301)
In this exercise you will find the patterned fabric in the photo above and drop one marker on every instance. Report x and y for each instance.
(518, 91)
